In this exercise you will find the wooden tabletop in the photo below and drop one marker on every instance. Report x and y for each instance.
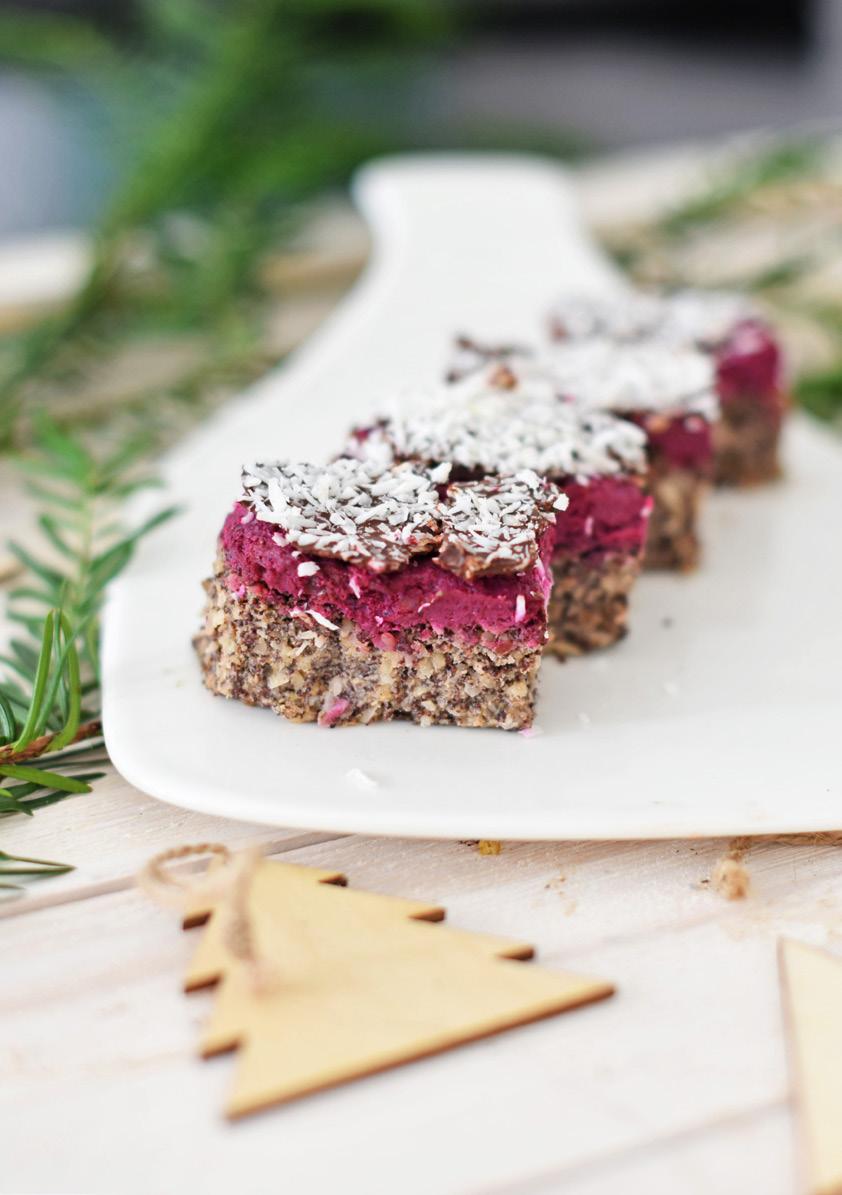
(677, 1084)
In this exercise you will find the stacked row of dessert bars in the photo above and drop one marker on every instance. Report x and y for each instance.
(505, 514)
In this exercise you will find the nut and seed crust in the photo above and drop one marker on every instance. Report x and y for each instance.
(256, 652)
(672, 541)
(746, 443)
(589, 603)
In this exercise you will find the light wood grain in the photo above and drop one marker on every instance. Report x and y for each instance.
(108, 834)
(812, 983)
(95, 1024)
(362, 983)
(744, 1154)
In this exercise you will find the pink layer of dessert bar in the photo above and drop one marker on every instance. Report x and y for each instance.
(744, 350)
(668, 392)
(491, 424)
(353, 593)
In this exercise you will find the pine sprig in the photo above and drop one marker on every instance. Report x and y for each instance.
(22, 867)
(784, 196)
(781, 162)
(820, 392)
(49, 708)
(251, 127)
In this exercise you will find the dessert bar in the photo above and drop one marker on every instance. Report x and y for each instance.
(496, 422)
(667, 392)
(746, 354)
(353, 593)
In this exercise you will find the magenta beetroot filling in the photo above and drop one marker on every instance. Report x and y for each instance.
(749, 365)
(683, 441)
(606, 514)
(497, 611)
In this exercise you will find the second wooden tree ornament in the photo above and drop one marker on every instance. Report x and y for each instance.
(360, 983)
(812, 988)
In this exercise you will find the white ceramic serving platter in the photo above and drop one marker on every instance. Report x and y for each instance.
(720, 714)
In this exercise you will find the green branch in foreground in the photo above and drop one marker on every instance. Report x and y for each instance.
(251, 122)
(22, 867)
(49, 707)
(781, 162)
(821, 392)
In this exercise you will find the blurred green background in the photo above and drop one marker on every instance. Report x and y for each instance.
(191, 136)
(84, 81)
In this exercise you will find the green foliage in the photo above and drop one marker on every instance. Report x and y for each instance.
(20, 867)
(48, 696)
(50, 41)
(235, 113)
(781, 162)
(78, 493)
(821, 392)
(757, 186)
(254, 106)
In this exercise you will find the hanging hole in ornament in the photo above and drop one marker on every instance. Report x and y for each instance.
(224, 879)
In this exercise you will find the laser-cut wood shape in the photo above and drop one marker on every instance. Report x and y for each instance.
(812, 985)
(364, 983)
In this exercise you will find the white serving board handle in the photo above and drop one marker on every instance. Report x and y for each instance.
(477, 244)
(483, 244)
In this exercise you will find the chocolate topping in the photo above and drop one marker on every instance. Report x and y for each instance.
(380, 517)
(495, 526)
(348, 510)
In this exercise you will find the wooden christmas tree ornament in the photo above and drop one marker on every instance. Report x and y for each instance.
(360, 983)
(812, 986)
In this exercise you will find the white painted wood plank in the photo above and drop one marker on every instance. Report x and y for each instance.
(99, 1034)
(589, 893)
(109, 834)
(749, 1154)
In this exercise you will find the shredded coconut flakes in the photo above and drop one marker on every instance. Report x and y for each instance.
(601, 375)
(361, 780)
(362, 513)
(348, 509)
(686, 318)
(479, 426)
